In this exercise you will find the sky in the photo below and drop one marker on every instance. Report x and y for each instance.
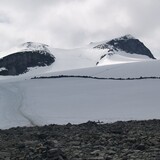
(75, 23)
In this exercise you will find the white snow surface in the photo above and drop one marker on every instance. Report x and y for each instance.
(29, 102)
(121, 70)
(26, 102)
(28, 46)
(77, 100)
(67, 59)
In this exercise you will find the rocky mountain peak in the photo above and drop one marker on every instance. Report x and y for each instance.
(125, 37)
(34, 45)
(29, 54)
(128, 44)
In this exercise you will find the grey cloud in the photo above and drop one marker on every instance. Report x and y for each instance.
(73, 23)
(4, 18)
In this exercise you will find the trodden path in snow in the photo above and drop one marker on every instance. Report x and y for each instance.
(11, 103)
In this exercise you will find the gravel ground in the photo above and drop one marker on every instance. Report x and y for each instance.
(132, 140)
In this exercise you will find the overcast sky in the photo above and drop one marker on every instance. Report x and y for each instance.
(74, 23)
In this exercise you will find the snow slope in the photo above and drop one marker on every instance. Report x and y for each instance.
(87, 57)
(77, 100)
(122, 70)
(29, 102)
(80, 100)
(26, 102)
(84, 57)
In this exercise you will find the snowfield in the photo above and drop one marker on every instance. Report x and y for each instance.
(26, 102)
(79, 100)
(122, 70)
(69, 59)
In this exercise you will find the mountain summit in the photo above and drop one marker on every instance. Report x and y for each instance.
(28, 55)
(32, 46)
(127, 44)
(35, 58)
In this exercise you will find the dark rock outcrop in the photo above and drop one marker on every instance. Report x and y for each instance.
(128, 44)
(18, 63)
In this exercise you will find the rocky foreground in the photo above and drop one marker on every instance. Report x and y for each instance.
(133, 140)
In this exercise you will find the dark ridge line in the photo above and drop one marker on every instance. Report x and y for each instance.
(91, 77)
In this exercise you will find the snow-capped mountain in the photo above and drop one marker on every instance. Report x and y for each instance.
(128, 44)
(29, 55)
(123, 49)
(36, 57)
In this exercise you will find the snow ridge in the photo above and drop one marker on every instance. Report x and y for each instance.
(126, 37)
(33, 46)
